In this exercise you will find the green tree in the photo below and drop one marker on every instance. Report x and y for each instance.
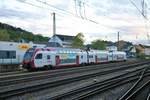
(4, 36)
(78, 41)
(98, 44)
(11, 33)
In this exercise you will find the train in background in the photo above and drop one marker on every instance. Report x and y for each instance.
(50, 57)
(12, 53)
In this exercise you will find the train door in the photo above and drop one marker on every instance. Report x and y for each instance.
(77, 60)
(83, 58)
(96, 60)
(110, 56)
(52, 59)
(115, 56)
(44, 58)
(88, 61)
(57, 60)
(38, 60)
(47, 59)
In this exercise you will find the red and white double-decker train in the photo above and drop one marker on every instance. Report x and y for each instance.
(49, 57)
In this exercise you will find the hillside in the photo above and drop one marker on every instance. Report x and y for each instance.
(11, 33)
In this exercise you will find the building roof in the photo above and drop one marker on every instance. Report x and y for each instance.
(65, 37)
(53, 44)
(144, 46)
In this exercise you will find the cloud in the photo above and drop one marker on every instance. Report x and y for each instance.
(111, 15)
(10, 13)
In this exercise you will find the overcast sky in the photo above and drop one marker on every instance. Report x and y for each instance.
(97, 19)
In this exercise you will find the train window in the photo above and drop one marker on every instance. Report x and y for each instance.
(63, 61)
(38, 56)
(90, 56)
(82, 57)
(7, 54)
(48, 57)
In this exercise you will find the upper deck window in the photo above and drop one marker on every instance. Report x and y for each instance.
(38, 56)
(48, 57)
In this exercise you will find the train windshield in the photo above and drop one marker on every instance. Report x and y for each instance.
(28, 55)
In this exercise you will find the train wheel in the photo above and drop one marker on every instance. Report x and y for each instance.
(82, 64)
(47, 67)
(50, 67)
(31, 69)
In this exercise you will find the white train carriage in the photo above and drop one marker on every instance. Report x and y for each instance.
(116, 56)
(121, 56)
(101, 56)
(68, 57)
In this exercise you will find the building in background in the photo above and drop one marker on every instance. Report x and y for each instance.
(111, 48)
(60, 41)
(142, 49)
(147, 51)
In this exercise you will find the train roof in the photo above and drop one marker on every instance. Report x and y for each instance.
(59, 49)
(119, 52)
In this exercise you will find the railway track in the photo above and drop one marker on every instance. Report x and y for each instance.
(16, 90)
(97, 87)
(12, 73)
(26, 73)
(27, 77)
(140, 86)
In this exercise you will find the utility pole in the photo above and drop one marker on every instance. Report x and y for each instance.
(54, 28)
(118, 42)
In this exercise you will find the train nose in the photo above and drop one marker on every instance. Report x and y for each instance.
(25, 64)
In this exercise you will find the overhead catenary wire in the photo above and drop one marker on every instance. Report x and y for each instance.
(37, 6)
(89, 20)
(65, 12)
(43, 2)
(84, 10)
(143, 12)
(138, 9)
(75, 4)
(80, 9)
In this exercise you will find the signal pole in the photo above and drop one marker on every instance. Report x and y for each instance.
(118, 41)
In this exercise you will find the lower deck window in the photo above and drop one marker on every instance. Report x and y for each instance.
(63, 61)
(102, 58)
(7, 54)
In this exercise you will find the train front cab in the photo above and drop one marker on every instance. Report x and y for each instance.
(38, 59)
(27, 59)
(44, 60)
